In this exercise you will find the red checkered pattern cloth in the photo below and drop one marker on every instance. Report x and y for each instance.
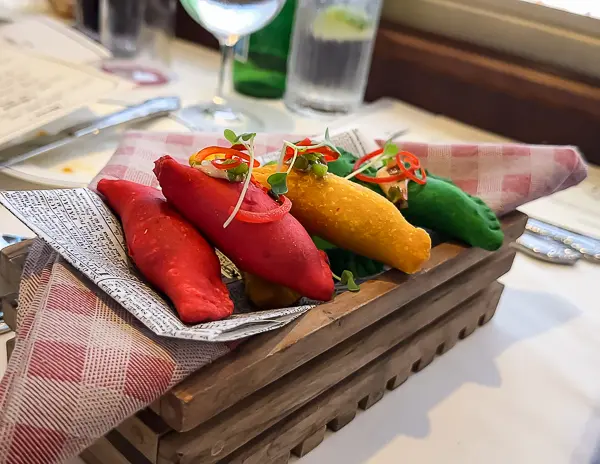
(82, 364)
(504, 176)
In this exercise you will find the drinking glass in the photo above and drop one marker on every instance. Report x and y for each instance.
(330, 55)
(138, 34)
(228, 21)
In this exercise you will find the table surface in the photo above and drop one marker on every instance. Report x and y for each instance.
(524, 389)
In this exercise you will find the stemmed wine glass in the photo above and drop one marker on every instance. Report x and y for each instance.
(228, 21)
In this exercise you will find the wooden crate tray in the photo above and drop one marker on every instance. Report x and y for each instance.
(276, 392)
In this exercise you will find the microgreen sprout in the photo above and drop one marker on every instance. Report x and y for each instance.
(248, 141)
(347, 279)
(389, 151)
(302, 161)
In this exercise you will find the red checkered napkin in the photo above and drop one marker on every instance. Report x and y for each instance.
(82, 364)
(505, 176)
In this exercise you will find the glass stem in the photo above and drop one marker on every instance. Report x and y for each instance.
(225, 73)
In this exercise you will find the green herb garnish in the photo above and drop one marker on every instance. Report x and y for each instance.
(230, 136)
(319, 169)
(347, 279)
(301, 163)
(236, 174)
(278, 183)
(248, 141)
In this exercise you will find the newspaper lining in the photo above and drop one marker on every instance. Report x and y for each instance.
(85, 232)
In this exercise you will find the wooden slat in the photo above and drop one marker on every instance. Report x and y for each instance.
(310, 442)
(144, 430)
(12, 259)
(267, 357)
(226, 432)
(10, 346)
(9, 308)
(103, 452)
(342, 398)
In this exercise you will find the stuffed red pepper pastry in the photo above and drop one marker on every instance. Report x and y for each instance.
(169, 251)
(253, 229)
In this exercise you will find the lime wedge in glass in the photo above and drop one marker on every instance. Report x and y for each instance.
(342, 22)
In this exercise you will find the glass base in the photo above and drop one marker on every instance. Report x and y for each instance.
(212, 117)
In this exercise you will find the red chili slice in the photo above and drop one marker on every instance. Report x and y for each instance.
(239, 146)
(401, 158)
(328, 153)
(375, 180)
(415, 164)
(408, 157)
(229, 153)
(225, 164)
(272, 215)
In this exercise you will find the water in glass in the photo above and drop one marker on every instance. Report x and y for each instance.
(331, 55)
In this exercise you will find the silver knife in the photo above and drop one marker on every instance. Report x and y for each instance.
(152, 108)
(589, 247)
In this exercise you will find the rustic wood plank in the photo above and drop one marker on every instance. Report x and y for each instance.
(144, 431)
(250, 417)
(130, 452)
(12, 259)
(337, 401)
(372, 398)
(10, 347)
(9, 308)
(267, 357)
(343, 418)
(103, 452)
(310, 443)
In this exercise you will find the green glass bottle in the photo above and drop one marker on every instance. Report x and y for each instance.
(260, 62)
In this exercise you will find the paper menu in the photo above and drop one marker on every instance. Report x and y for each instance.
(36, 90)
(51, 38)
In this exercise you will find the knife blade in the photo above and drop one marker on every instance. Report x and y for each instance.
(152, 108)
(589, 247)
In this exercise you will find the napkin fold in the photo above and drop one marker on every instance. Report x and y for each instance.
(505, 176)
(82, 364)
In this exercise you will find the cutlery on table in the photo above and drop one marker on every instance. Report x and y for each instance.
(149, 109)
(546, 249)
(588, 246)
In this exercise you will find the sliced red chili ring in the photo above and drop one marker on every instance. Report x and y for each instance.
(401, 158)
(229, 153)
(305, 142)
(238, 146)
(264, 217)
(380, 180)
(375, 180)
(412, 176)
(367, 157)
(243, 156)
(328, 153)
(415, 164)
(408, 157)
(225, 164)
